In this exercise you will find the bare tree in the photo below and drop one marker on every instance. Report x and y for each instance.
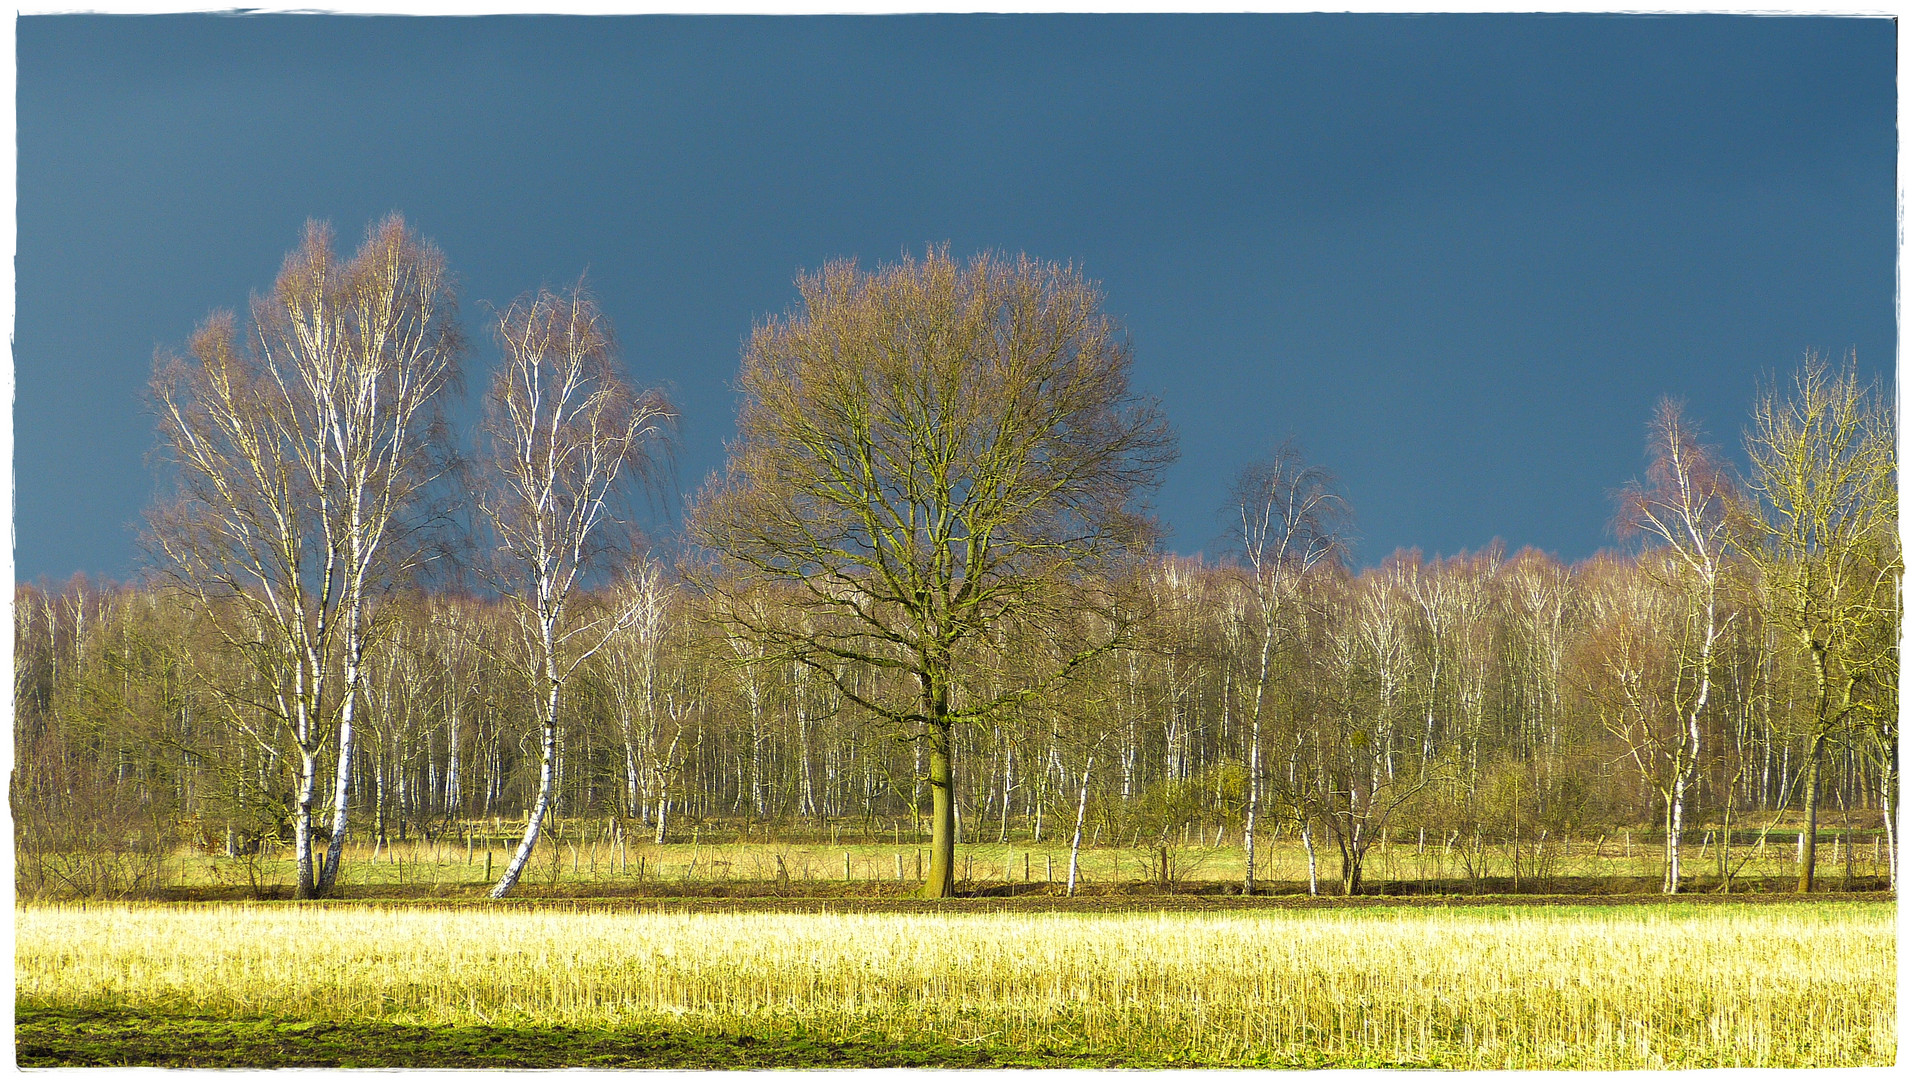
(453, 635)
(1292, 519)
(1685, 503)
(1631, 672)
(632, 659)
(303, 457)
(1359, 728)
(565, 435)
(929, 452)
(1825, 469)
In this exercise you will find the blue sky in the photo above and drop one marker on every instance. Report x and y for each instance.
(1458, 257)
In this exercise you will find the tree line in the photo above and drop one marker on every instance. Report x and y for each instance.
(924, 595)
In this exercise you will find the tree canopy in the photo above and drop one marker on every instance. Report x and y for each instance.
(924, 452)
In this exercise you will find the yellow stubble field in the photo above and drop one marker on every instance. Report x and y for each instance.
(1468, 987)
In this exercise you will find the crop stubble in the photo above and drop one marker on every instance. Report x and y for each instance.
(1529, 987)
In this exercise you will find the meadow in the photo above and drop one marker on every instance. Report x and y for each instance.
(585, 858)
(1540, 986)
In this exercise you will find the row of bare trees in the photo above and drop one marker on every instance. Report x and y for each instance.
(923, 596)
(1490, 702)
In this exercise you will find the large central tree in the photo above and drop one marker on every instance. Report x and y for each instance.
(925, 453)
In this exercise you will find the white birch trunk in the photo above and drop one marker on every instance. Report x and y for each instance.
(453, 802)
(341, 788)
(1891, 826)
(1254, 767)
(1307, 841)
(1082, 809)
(547, 771)
(302, 820)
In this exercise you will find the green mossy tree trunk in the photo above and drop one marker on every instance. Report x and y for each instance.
(941, 878)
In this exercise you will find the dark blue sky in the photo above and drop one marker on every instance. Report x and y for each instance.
(1458, 257)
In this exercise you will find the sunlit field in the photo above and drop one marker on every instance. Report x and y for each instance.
(1530, 987)
(589, 858)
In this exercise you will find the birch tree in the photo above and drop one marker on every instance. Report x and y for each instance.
(1361, 785)
(1630, 670)
(565, 435)
(1686, 503)
(304, 453)
(1291, 520)
(453, 632)
(632, 661)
